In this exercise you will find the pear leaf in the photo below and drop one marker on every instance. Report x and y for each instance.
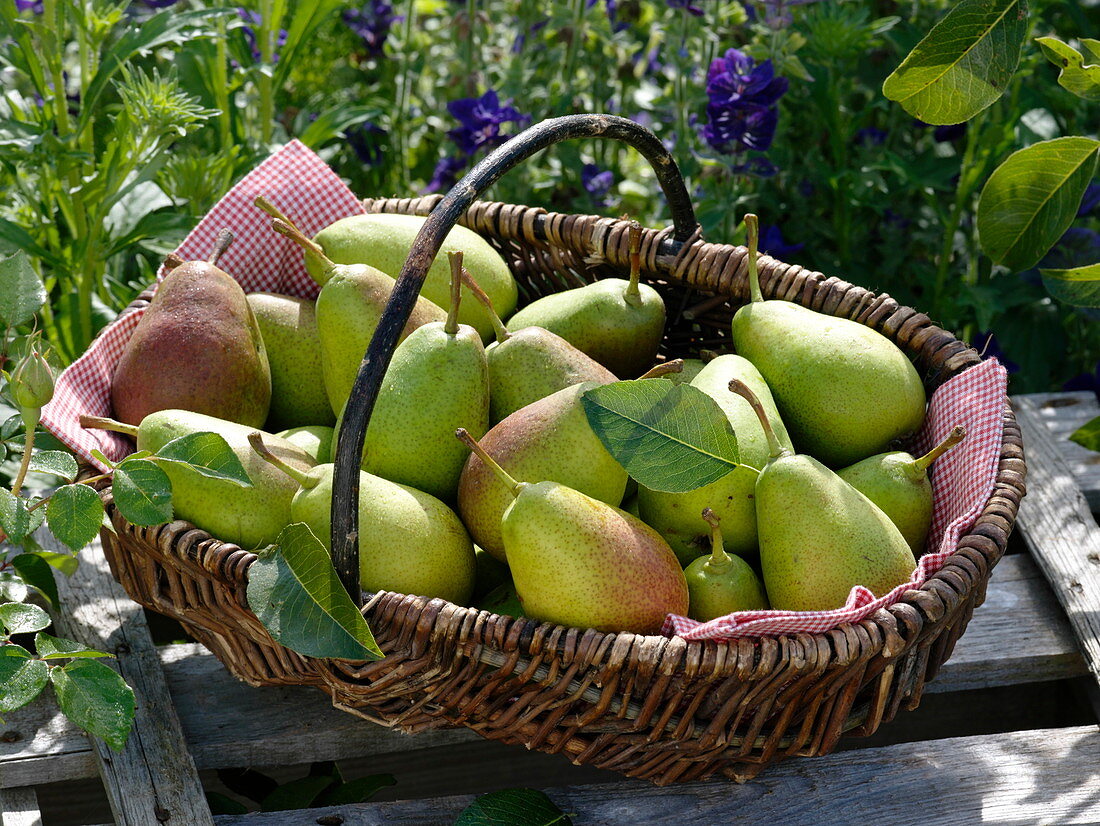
(669, 437)
(207, 454)
(1078, 287)
(513, 807)
(295, 592)
(1077, 76)
(963, 64)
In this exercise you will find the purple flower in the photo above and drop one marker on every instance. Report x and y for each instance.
(1085, 381)
(987, 345)
(250, 35)
(372, 22)
(35, 6)
(597, 183)
(871, 136)
(481, 119)
(771, 242)
(742, 112)
(1090, 200)
(521, 38)
(687, 6)
(366, 140)
(445, 174)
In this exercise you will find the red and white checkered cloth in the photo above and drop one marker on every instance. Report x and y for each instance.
(962, 482)
(304, 189)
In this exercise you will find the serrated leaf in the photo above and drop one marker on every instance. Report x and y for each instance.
(296, 794)
(14, 519)
(53, 648)
(963, 64)
(97, 699)
(22, 678)
(21, 291)
(1088, 435)
(35, 571)
(75, 513)
(1077, 76)
(142, 492)
(356, 791)
(22, 618)
(1078, 287)
(209, 454)
(669, 437)
(1030, 200)
(56, 462)
(513, 807)
(294, 591)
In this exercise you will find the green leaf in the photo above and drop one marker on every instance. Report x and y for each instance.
(66, 563)
(97, 699)
(1083, 79)
(53, 648)
(294, 591)
(22, 678)
(356, 791)
(21, 618)
(14, 519)
(1078, 287)
(143, 492)
(669, 437)
(208, 454)
(21, 291)
(35, 571)
(55, 462)
(963, 64)
(221, 804)
(1088, 435)
(296, 794)
(98, 455)
(75, 513)
(1031, 199)
(330, 123)
(513, 807)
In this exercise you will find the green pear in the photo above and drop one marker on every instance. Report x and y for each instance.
(383, 241)
(676, 515)
(409, 541)
(844, 390)
(247, 516)
(819, 536)
(618, 323)
(531, 364)
(547, 440)
(580, 562)
(898, 483)
(197, 347)
(719, 584)
(316, 440)
(437, 381)
(289, 327)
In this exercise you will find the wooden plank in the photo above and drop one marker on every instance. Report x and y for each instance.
(19, 807)
(1063, 413)
(1022, 777)
(153, 779)
(1020, 635)
(1061, 532)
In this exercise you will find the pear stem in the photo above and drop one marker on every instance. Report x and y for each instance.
(262, 203)
(225, 239)
(450, 326)
(103, 423)
(708, 355)
(632, 294)
(312, 248)
(719, 559)
(256, 440)
(663, 369)
(957, 434)
(513, 486)
(752, 226)
(498, 325)
(774, 447)
(171, 261)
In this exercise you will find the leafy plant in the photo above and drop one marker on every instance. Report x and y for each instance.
(324, 785)
(513, 807)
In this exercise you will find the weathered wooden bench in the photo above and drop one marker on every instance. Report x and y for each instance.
(1020, 689)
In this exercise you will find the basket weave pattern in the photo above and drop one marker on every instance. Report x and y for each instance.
(646, 706)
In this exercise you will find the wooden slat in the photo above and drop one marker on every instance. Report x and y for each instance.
(1061, 532)
(19, 807)
(1022, 777)
(153, 779)
(1063, 413)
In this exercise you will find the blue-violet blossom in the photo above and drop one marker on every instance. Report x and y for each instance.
(372, 22)
(742, 112)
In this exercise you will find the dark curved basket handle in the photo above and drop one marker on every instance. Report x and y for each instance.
(364, 393)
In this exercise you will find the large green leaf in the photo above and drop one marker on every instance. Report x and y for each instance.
(294, 591)
(1088, 435)
(513, 807)
(75, 514)
(55, 648)
(35, 571)
(295, 794)
(669, 437)
(1079, 287)
(1031, 199)
(1077, 76)
(963, 64)
(22, 678)
(23, 618)
(21, 291)
(97, 699)
(55, 462)
(143, 492)
(15, 520)
(208, 454)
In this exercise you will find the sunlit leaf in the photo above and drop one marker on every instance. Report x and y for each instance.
(142, 492)
(75, 513)
(22, 678)
(97, 699)
(21, 291)
(1078, 287)
(1077, 76)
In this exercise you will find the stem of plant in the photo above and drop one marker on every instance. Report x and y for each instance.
(752, 227)
(501, 331)
(450, 326)
(24, 465)
(632, 295)
(744, 391)
(957, 434)
(513, 486)
(663, 369)
(403, 97)
(719, 559)
(256, 440)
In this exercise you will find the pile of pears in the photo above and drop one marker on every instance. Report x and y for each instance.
(482, 481)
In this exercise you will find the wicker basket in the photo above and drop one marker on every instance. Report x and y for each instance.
(646, 706)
